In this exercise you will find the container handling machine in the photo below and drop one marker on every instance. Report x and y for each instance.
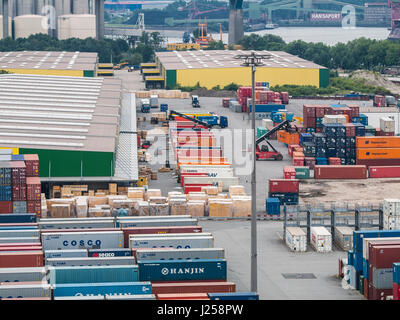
(206, 121)
(267, 151)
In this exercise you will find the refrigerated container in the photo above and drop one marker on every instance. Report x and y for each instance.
(110, 253)
(344, 238)
(25, 291)
(226, 181)
(296, 239)
(22, 274)
(88, 261)
(321, 239)
(200, 234)
(180, 254)
(19, 233)
(48, 254)
(173, 242)
(17, 218)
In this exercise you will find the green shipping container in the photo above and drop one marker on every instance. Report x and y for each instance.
(261, 131)
(302, 172)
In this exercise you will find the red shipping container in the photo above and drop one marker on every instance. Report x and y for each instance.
(319, 111)
(192, 287)
(386, 134)
(298, 162)
(34, 207)
(310, 162)
(335, 161)
(18, 173)
(396, 293)
(19, 192)
(6, 207)
(158, 230)
(22, 259)
(309, 122)
(283, 186)
(384, 256)
(340, 172)
(225, 102)
(285, 97)
(291, 148)
(350, 129)
(195, 187)
(32, 165)
(308, 111)
(289, 173)
(183, 296)
(19, 244)
(355, 110)
(378, 294)
(11, 248)
(378, 162)
(366, 291)
(384, 172)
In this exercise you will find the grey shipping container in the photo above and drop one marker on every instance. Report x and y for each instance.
(161, 235)
(25, 291)
(82, 240)
(98, 297)
(382, 278)
(77, 219)
(154, 217)
(114, 261)
(20, 240)
(157, 223)
(19, 206)
(344, 238)
(48, 254)
(22, 274)
(173, 242)
(19, 233)
(76, 224)
(180, 254)
(132, 297)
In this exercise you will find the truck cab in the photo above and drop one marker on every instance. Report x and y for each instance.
(145, 105)
(390, 101)
(154, 101)
(195, 102)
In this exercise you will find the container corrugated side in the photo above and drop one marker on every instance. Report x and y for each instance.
(296, 239)
(344, 237)
(193, 287)
(48, 254)
(76, 224)
(106, 288)
(157, 223)
(180, 254)
(93, 274)
(321, 239)
(173, 242)
(22, 274)
(79, 298)
(109, 253)
(17, 218)
(20, 240)
(25, 291)
(19, 233)
(132, 297)
(89, 261)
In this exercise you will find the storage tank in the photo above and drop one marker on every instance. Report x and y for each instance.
(80, 26)
(1, 27)
(27, 25)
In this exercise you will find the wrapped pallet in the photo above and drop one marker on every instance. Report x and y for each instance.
(123, 203)
(158, 200)
(236, 191)
(241, 206)
(136, 193)
(112, 198)
(197, 196)
(142, 208)
(69, 202)
(220, 207)
(210, 190)
(156, 209)
(81, 207)
(60, 211)
(100, 194)
(196, 208)
(177, 206)
(152, 193)
(97, 201)
(100, 211)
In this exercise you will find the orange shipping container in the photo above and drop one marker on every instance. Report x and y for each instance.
(282, 137)
(293, 138)
(378, 142)
(298, 155)
(378, 153)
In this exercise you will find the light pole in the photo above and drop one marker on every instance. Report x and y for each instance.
(253, 60)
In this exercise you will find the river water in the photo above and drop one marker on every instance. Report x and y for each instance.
(328, 35)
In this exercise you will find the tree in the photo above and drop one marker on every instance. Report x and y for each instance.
(133, 59)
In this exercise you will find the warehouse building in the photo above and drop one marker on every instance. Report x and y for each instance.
(219, 67)
(75, 64)
(73, 124)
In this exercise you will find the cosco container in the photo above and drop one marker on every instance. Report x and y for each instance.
(173, 242)
(157, 223)
(184, 270)
(48, 254)
(22, 274)
(234, 296)
(19, 233)
(321, 239)
(131, 297)
(82, 240)
(17, 218)
(109, 253)
(115, 261)
(20, 239)
(106, 288)
(344, 238)
(296, 239)
(180, 254)
(25, 291)
(93, 274)
(193, 287)
(76, 224)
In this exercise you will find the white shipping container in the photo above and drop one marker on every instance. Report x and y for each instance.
(366, 242)
(334, 119)
(267, 123)
(212, 171)
(48, 254)
(90, 261)
(352, 277)
(76, 224)
(173, 242)
(131, 297)
(175, 235)
(25, 291)
(387, 124)
(391, 207)
(321, 239)
(344, 238)
(82, 240)
(19, 233)
(20, 240)
(226, 181)
(391, 222)
(180, 254)
(22, 274)
(296, 239)
(150, 218)
(88, 219)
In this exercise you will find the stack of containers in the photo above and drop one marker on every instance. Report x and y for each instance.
(378, 151)
(391, 214)
(5, 183)
(287, 191)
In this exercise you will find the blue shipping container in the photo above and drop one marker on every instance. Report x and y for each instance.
(273, 206)
(106, 288)
(109, 253)
(396, 272)
(321, 161)
(267, 107)
(234, 296)
(19, 228)
(365, 270)
(161, 270)
(18, 218)
(5, 193)
(93, 274)
(358, 237)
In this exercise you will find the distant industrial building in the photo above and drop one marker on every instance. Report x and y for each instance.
(219, 67)
(376, 12)
(73, 124)
(76, 64)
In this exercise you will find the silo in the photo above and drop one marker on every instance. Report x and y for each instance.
(27, 25)
(1, 26)
(80, 26)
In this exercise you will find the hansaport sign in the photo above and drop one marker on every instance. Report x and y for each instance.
(317, 16)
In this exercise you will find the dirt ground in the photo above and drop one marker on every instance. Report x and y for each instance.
(376, 79)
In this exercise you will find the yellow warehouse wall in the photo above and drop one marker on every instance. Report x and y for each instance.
(69, 73)
(242, 76)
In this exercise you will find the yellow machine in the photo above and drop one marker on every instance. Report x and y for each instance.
(182, 46)
(143, 182)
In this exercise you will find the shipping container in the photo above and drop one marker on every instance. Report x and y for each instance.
(131, 297)
(19, 233)
(378, 142)
(384, 172)
(33, 248)
(106, 288)
(382, 278)
(296, 239)
(79, 298)
(225, 180)
(25, 291)
(93, 274)
(168, 235)
(48, 254)
(378, 153)
(21, 259)
(19, 244)
(33, 189)
(45, 231)
(19, 206)
(321, 239)
(183, 296)
(158, 270)
(344, 238)
(283, 186)
(18, 172)
(340, 172)
(234, 296)
(9, 241)
(173, 242)
(5, 206)
(157, 223)
(82, 240)
(32, 165)
(109, 253)
(90, 261)
(383, 256)
(180, 254)
(22, 274)
(369, 242)
(378, 162)
(76, 224)
(17, 217)
(193, 287)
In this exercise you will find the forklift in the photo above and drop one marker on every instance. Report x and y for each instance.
(267, 151)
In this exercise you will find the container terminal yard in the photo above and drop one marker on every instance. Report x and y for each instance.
(112, 192)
